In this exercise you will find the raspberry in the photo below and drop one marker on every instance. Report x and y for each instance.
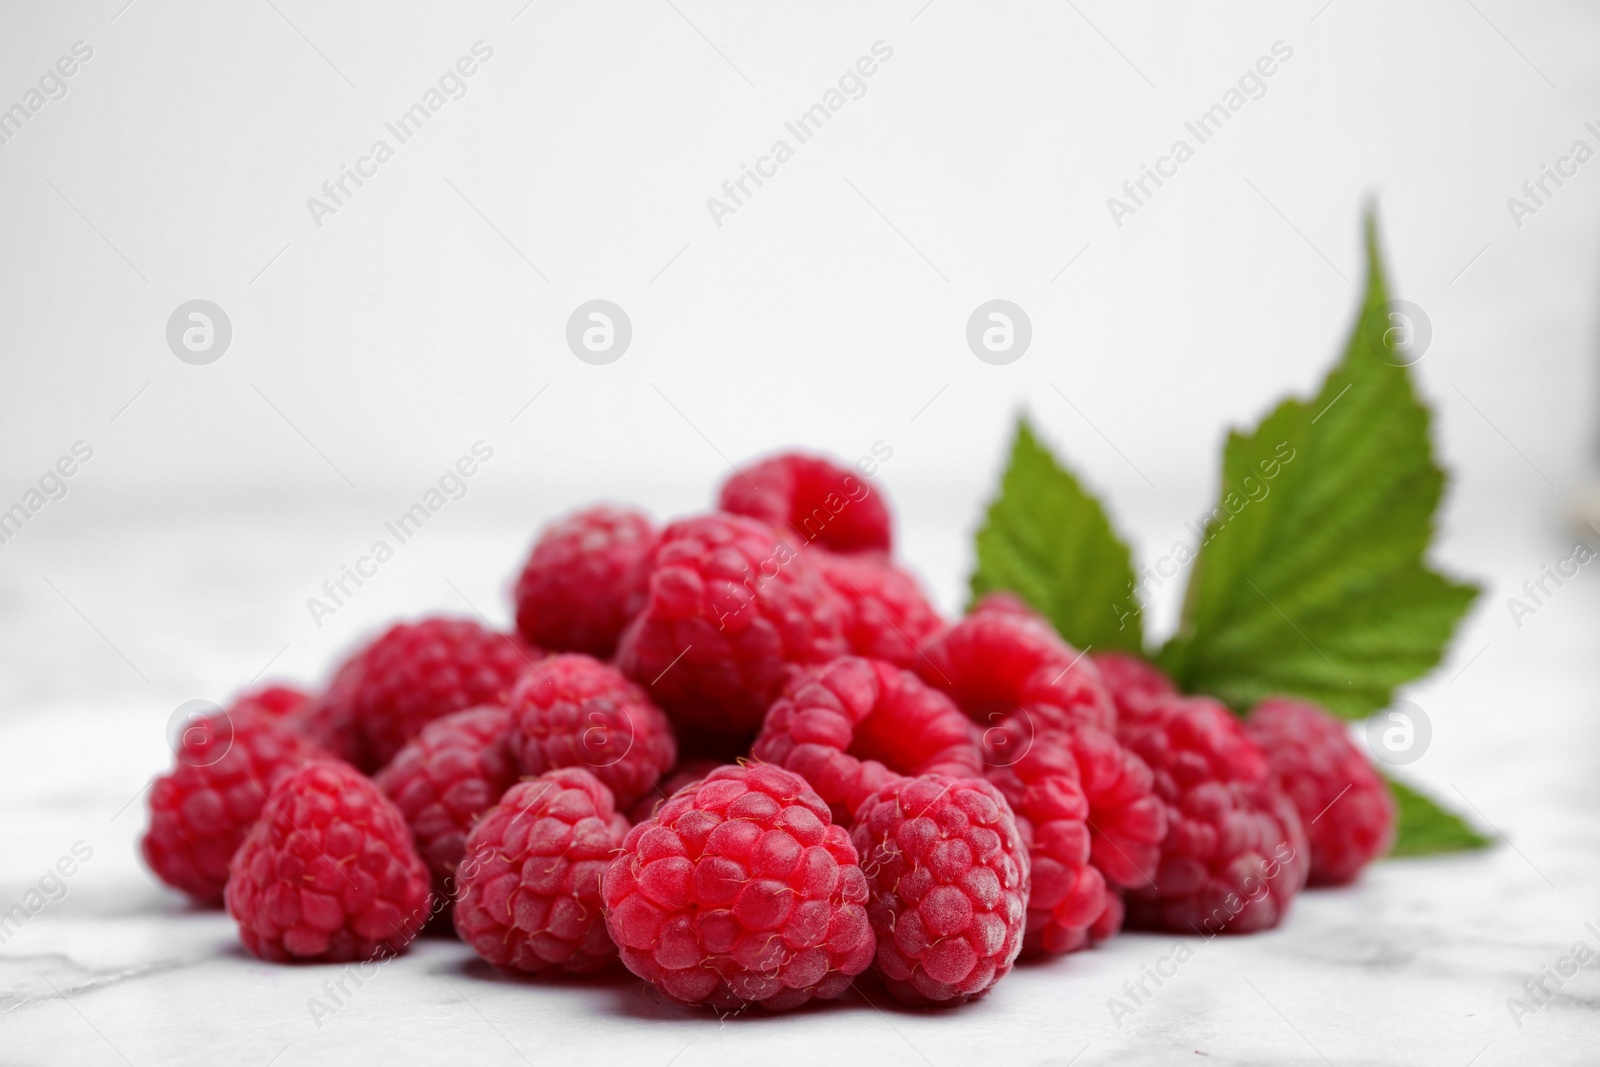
(949, 876)
(530, 882)
(850, 726)
(686, 772)
(1127, 820)
(421, 671)
(1067, 894)
(574, 711)
(329, 718)
(814, 499)
(583, 581)
(443, 779)
(1090, 803)
(202, 809)
(1135, 684)
(328, 874)
(1005, 602)
(742, 890)
(887, 615)
(1110, 920)
(994, 662)
(274, 701)
(1345, 804)
(1235, 854)
(730, 609)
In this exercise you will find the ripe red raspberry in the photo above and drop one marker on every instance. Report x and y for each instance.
(574, 711)
(742, 890)
(225, 767)
(994, 662)
(1067, 894)
(530, 881)
(850, 726)
(812, 499)
(729, 611)
(1110, 920)
(1127, 820)
(1042, 772)
(687, 771)
(328, 874)
(1346, 806)
(1005, 602)
(949, 877)
(274, 701)
(1235, 854)
(329, 720)
(584, 580)
(443, 779)
(888, 617)
(1136, 685)
(421, 671)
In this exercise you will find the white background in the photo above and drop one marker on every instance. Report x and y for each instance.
(828, 312)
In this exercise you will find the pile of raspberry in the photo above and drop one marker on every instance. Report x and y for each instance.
(744, 757)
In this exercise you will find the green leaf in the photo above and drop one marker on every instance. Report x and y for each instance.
(1311, 580)
(1425, 828)
(1049, 541)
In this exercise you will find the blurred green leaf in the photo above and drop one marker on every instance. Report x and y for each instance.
(1425, 828)
(1049, 541)
(1312, 579)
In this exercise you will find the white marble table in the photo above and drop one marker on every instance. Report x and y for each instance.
(1413, 965)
